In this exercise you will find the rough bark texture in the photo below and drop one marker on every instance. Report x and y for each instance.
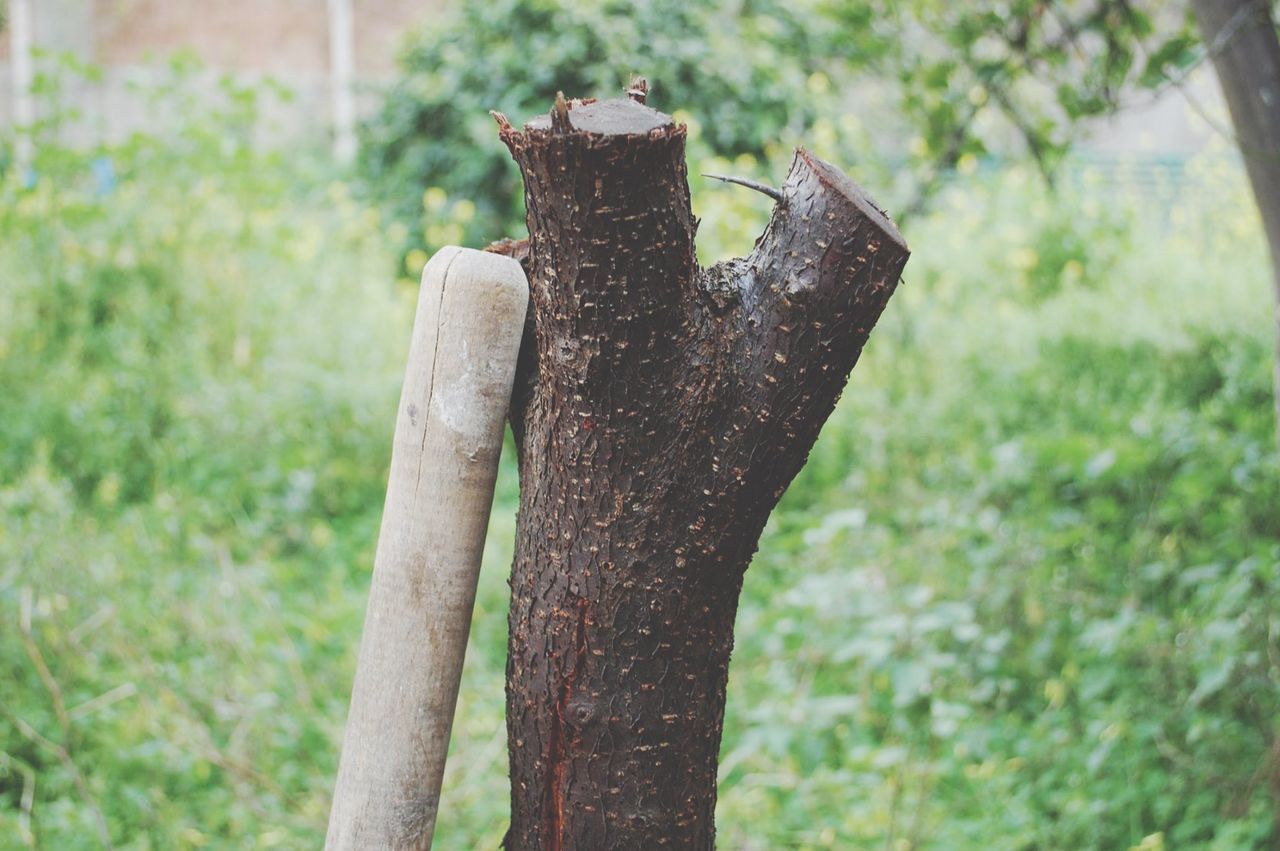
(661, 412)
(1241, 38)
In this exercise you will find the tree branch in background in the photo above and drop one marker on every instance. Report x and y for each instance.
(1242, 40)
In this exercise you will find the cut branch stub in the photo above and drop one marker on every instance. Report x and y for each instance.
(661, 412)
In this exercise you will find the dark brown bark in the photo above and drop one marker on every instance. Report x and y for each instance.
(1240, 35)
(663, 411)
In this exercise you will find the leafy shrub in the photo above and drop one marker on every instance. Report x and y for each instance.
(433, 130)
(155, 326)
(194, 424)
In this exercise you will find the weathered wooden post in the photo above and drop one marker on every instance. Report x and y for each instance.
(448, 437)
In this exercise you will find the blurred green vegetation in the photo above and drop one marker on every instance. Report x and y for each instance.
(434, 129)
(912, 90)
(1024, 596)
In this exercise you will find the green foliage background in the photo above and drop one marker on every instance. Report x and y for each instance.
(1024, 596)
(909, 90)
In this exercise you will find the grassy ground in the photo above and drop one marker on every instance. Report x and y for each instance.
(1023, 596)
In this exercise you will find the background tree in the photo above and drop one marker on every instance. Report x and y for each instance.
(1241, 37)
(1041, 67)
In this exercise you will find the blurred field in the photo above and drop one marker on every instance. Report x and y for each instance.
(1024, 596)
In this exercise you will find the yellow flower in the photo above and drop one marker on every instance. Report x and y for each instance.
(1024, 258)
(434, 198)
(414, 261)
(464, 211)
(1055, 691)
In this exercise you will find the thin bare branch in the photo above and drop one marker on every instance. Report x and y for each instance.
(763, 188)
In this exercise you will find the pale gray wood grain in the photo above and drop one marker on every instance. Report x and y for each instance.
(448, 438)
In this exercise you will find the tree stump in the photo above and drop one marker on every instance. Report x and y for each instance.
(661, 411)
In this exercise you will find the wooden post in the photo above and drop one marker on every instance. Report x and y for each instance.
(342, 79)
(24, 112)
(448, 438)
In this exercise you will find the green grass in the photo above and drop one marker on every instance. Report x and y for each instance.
(1024, 596)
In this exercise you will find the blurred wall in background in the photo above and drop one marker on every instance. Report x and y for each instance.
(287, 40)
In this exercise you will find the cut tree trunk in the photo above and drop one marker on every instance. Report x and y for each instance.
(661, 411)
(1240, 35)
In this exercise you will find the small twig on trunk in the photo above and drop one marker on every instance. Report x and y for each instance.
(560, 115)
(775, 194)
(638, 91)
